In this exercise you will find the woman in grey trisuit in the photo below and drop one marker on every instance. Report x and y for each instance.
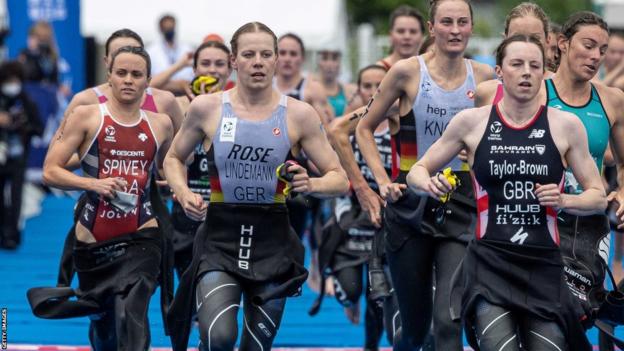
(518, 184)
(246, 245)
(211, 59)
(431, 89)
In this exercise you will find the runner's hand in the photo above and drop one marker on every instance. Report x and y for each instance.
(438, 186)
(618, 196)
(301, 179)
(371, 203)
(549, 195)
(107, 187)
(194, 205)
(391, 192)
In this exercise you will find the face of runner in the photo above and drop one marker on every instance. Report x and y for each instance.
(522, 70)
(551, 49)
(290, 57)
(329, 64)
(585, 51)
(615, 52)
(256, 60)
(128, 77)
(452, 27)
(528, 25)
(369, 82)
(213, 62)
(406, 36)
(115, 45)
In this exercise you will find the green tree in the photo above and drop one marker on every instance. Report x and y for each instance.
(557, 10)
(377, 12)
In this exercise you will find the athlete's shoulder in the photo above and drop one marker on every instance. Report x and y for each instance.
(300, 111)
(472, 115)
(314, 88)
(482, 71)
(161, 119)
(406, 67)
(486, 91)
(205, 102)
(564, 118)
(84, 116)
(85, 97)
(162, 96)
(610, 95)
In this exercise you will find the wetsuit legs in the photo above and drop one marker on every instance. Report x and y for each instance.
(218, 298)
(125, 325)
(411, 271)
(497, 328)
(447, 333)
(261, 324)
(348, 285)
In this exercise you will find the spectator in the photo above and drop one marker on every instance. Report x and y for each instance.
(41, 60)
(166, 52)
(19, 121)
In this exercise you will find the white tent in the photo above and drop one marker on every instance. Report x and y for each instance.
(320, 23)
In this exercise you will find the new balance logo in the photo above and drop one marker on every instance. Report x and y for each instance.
(520, 236)
(537, 133)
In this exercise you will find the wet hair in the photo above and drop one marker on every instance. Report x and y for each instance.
(574, 23)
(501, 50)
(211, 44)
(132, 50)
(122, 33)
(434, 4)
(407, 11)
(11, 69)
(527, 9)
(582, 18)
(369, 67)
(426, 44)
(251, 27)
(296, 38)
(166, 17)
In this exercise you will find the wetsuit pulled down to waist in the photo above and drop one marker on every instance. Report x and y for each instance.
(584, 243)
(254, 244)
(104, 269)
(519, 279)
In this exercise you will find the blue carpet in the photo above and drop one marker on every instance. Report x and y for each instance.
(35, 263)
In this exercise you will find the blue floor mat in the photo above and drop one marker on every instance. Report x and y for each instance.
(35, 263)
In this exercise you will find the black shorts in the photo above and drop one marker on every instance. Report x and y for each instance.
(584, 243)
(460, 219)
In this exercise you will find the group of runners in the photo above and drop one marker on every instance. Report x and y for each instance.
(467, 194)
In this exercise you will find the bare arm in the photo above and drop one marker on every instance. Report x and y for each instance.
(339, 132)
(168, 105)
(316, 97)
(192, 132)
(389, 91)
(72, 134)
(161, 79)
(439, 154)
(592, 200)
(313, 140)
